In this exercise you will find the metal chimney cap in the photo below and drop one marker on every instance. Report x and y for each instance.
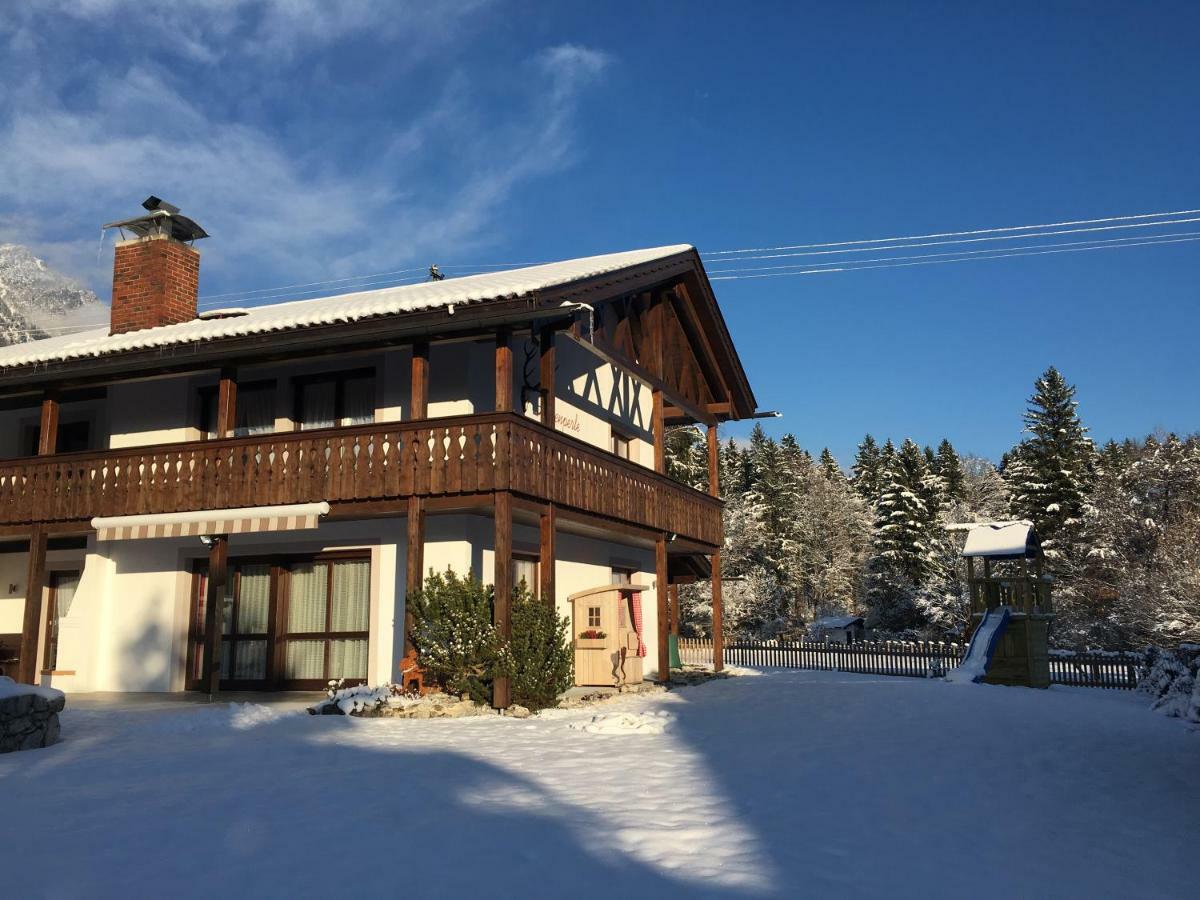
(161, 218)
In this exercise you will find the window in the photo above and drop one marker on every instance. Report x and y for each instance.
(255, 412)
(327, 622)
(621, 444)
(293, 623)
(621, 575)
(72, 437)
(525, 568)
(62, 592)
(339, 398)
(593, 617)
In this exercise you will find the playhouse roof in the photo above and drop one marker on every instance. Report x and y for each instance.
(1002, 540)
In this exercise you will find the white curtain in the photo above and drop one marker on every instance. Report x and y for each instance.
(359, 400)
(251, 662)
(254, 599)
(317, 404)
(525, 570)
(348, 659)
(307, 598)
(304, 659)
(255, 410)
(351, 595)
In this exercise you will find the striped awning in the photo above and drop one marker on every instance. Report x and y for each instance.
(295, 517)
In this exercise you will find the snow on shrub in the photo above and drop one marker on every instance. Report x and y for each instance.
(1172, 679)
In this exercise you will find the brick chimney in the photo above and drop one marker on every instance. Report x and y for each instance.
(156, 273)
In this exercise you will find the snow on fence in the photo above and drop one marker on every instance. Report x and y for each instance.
(1095, 668)
(917, 659)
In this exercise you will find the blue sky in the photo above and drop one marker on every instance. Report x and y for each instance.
(318, 140)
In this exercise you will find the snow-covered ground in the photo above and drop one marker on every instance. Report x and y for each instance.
(796, 784)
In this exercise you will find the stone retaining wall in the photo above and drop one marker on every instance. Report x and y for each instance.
(29, 721)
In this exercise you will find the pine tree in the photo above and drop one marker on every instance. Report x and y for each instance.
(949, 468)
(687, 456)
(866, 470)
(1051, 471)
(830, 468)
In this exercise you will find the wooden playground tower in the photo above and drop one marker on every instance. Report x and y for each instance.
(1005, 568)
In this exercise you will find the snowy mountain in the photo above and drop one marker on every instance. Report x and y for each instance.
(36, 301)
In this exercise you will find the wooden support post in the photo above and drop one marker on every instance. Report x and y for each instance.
(662, 578)
(35, 611)
(504, 371)
(48, 430)
(214, 610)
(226, 422)
(718, 615)
(714, 462)
(415, 563)
(659, 427)
(548, 366)
(548, 523)
(419, 403)
(502, 582)
(675, 610)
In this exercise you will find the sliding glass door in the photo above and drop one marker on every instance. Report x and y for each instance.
(291, 623)
(328, 621)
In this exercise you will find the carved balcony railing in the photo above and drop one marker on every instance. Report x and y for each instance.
(381, 461)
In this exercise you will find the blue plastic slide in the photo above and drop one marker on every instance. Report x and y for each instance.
(983, 645)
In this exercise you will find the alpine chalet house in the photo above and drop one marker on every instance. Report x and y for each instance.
(305, 464)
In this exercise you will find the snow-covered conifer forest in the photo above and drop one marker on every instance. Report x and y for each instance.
(1120, 526)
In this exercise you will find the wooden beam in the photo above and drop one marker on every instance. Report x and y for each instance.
(504, 371)
(502, 584)
(226, 422)
(548, 366)
(718, 615)
(35, 611)
(714, 462)
(48, 429)
(662, 580)
(414, 563)
(642, 374)
(548, 524)
(214, 608)
(419, 401)
(659, 427)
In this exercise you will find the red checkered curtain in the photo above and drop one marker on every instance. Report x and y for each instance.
(636, 596)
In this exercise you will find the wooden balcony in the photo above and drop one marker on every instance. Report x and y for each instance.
(362, 465)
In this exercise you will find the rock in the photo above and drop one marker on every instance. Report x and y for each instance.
(519, 712)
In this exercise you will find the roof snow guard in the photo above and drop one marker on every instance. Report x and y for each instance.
(1003, 540)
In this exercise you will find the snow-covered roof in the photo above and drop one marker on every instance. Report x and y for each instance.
(340, 309)
(836, 621)
(1001, 540)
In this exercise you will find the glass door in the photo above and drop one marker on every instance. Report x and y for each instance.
(327, 622)
(245, 628)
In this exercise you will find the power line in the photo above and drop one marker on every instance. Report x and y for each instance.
(1006, 237)
(919, 237)
(855, 262)
(850, 267)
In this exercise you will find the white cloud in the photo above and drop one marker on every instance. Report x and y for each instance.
(279, 208)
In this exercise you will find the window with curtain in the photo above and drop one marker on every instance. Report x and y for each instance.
(293, 623)
(63, 586)
(255, 413)
(328, 620)
(525, 568)
(337, 398)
